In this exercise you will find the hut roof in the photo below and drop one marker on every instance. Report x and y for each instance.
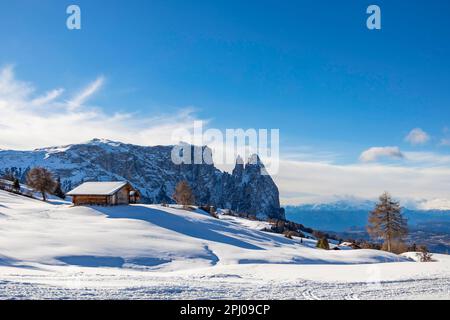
(98, 188)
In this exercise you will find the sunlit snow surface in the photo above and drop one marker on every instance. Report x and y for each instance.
(50, 251)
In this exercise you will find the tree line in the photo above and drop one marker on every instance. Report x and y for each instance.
(40, 180)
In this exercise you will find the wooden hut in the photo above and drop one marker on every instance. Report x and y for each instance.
(104, 193)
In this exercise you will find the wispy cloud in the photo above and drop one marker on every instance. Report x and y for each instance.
(422, 177)
(309, 154)
(427, 159)
(31, 120)
(47, 98)
(86, 93)
(10, 88)
(377, 153)
(417, 137)
(311, 182)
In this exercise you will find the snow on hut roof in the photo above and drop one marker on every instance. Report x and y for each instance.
(97, 188)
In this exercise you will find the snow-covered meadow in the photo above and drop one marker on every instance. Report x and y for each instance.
(56, 251)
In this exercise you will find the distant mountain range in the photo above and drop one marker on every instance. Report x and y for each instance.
(348, 220)
(151, 170)
(349, 203)
(344, 215)
(339, 205)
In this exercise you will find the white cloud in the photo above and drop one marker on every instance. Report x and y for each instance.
(10, 88)
(47, 98)
(311, 182)
(427, 159)
(417, 136)
(86, 93)
(375, 153)
(422, 178)
(29, 120)
(309, 154)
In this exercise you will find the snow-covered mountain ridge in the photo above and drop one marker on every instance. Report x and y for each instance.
(345, 215)
(350, 203)
(151, 170)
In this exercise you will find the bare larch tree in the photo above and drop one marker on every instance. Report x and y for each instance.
(387, 222)
(183, 194)
(41, 180)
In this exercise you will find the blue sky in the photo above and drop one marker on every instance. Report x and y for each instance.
(310, 68)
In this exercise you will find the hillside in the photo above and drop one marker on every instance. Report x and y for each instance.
(143, 251)
(149, 236)
(151, 170)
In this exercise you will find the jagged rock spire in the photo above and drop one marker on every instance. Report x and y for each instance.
(153, 172)
(239, 167)
(254, 160)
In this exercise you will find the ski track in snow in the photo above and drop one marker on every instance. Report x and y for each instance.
(226, 287)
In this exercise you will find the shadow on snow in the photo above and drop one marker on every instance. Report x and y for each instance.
(209, 229)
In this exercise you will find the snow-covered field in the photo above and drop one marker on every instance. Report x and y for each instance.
(56, 251)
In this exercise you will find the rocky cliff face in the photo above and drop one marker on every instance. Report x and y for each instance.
(151, 170)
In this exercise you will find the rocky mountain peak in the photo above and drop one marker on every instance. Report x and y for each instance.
(239, 167)
(152, 171)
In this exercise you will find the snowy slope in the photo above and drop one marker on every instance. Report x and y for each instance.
(149, 236)
(148, 251)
